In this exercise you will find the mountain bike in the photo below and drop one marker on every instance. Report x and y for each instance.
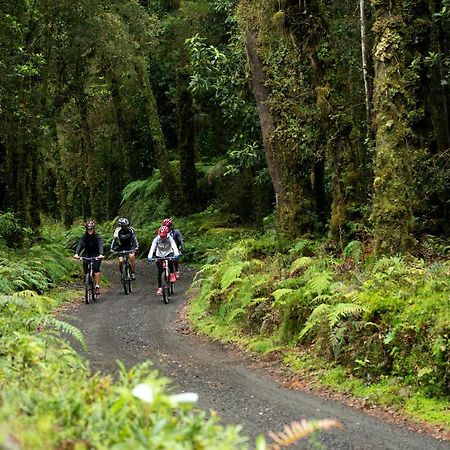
(125, 274)
(89, 285)
(166, 283)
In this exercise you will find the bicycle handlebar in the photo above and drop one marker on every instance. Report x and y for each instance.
(162, 258)
(124, 252)
(89, 258)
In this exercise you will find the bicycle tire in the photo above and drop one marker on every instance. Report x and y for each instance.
(87, 289)
(128, 277)
(123, 279)
(172, 284)
(165, 290)
(93, 293)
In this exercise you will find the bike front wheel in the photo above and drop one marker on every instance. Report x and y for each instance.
(126, 279)
(89, 290)
(165, 290)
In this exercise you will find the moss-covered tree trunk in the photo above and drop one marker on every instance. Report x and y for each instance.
(171, 184)
(396, 56)
(276, 67)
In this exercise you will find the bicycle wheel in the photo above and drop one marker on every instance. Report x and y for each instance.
(87, 289)
(128, 277)
(172, 284)
(93, 293)
(165, 289)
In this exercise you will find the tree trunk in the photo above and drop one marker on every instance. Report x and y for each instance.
(395, 104)
(265, 116)
(171, 186)
(186, 144)
(367, 87)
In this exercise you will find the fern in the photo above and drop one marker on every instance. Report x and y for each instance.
(280, 293)
(342, 311)
(16, 300)
(61, 326)
(301, 264)
(230, 275)
(319, 314)
(320, 282)
(332, 314)
(299, 430)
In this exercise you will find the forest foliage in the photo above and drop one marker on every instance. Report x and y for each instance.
(274, 97)
(322, 125)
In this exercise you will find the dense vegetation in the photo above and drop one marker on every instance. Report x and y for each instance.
(303, 148)
(271, 101)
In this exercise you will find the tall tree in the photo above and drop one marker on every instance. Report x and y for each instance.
(401, 29)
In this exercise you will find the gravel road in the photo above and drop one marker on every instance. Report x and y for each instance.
(139, 327)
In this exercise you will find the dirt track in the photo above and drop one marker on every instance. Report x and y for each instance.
(139, 327)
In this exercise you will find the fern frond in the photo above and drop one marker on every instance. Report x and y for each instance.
(300, 263)
(319, 314)
(299, 430)
(15, 300)
(344, 310)
(280, 293)
(230, 275)
(27, 294)
(320, 282)
(64, 327)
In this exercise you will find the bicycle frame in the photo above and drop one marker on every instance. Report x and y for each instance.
(167, 284)
(125, 275)
(89, 285)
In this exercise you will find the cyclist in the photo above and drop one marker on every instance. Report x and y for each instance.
(163, 246)
(124, 239)
(91, 244)
(179, 240)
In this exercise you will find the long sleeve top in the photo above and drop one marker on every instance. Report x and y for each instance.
(91, 245)
(163, 247)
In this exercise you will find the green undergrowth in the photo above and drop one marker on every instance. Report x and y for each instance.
(48, 399)
(377, 328)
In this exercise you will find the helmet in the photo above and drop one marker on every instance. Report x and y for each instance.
(163, 231)
(123, 222)
(167, 222)
(89, 225)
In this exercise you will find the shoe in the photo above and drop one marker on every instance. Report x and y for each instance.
(133, 276)
(173, 278)
(97, 290)
(177, 275)
(159, 291)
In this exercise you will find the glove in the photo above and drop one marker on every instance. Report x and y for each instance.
(76, 256)
(100, 256)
